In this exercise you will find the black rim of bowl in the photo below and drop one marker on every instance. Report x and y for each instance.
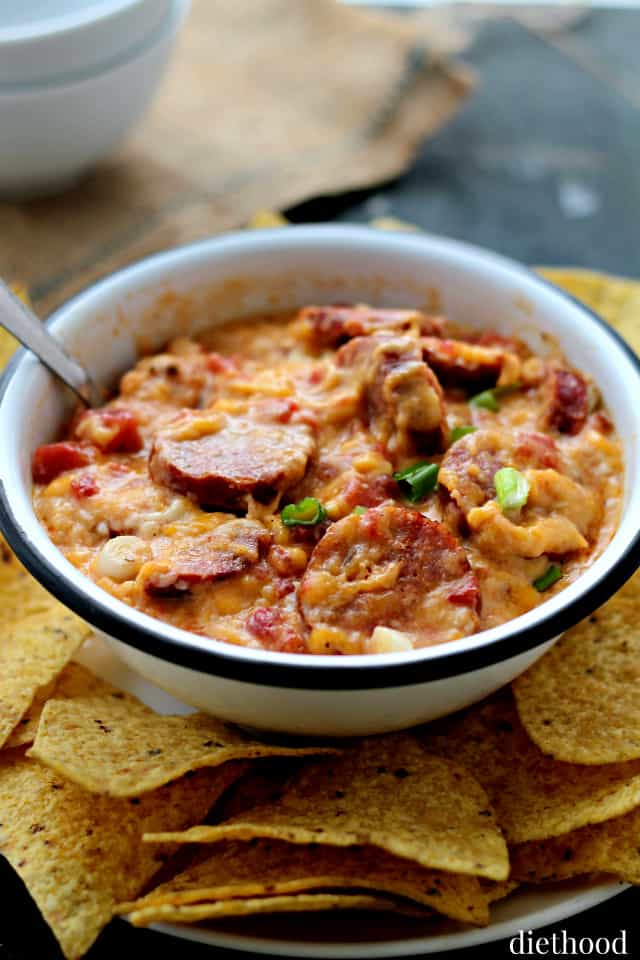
(333, 676)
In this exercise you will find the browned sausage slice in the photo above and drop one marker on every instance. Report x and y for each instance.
(403, 397)
(389, 567)
(220, 459)
(229, 549)
(470, 464)
(457, 362)
(568, 401)
(331, 326)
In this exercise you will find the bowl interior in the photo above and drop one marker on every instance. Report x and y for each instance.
(187, 290)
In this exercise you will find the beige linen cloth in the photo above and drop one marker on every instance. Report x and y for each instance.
(266, 103)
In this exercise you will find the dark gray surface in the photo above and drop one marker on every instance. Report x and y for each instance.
(541, 164)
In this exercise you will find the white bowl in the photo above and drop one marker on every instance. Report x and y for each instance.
(49, 41)
(188, 289)
(54, 131)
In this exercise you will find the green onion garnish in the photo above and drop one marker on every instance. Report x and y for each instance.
(417, 481)
(512, 488)
(359, 510)
(459, 432)
(488, 399)
(551, 575)
(304, 514)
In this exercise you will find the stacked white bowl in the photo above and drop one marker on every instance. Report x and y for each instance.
(75, 75)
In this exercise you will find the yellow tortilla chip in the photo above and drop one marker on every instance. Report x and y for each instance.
(385, 792)
(20, 594)
(79, 854)
(74, 681)
(498, 891)
(8, 345)
(581, 702)
(615, 299)
(307, 902)
(534, 796)
(394, 224)
(612, 847)
(118, 746)
(33, 652)
(259, 868)
(263, 219)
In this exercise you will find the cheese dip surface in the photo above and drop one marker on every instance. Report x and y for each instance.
(344, 480)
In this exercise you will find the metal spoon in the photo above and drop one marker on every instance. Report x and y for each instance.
(19, 320)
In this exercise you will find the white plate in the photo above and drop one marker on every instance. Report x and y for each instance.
(356, 935)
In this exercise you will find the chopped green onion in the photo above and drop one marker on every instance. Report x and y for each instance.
(459, 432)
(304, 514)
(486, 400)
(359, 510)
(512, 488)
(417, 481)
(551, 575)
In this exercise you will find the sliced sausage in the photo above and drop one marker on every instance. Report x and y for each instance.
(389, 567)
(458, 363)
(470, 464)
(567, 405)
(220, 459)
(403, 398)
(52, 459)
(331, 326)
(227, 550)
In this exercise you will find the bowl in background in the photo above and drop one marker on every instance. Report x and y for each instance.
(73, 84)
(186, 290)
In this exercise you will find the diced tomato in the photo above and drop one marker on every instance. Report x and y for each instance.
(84, 485)
(269, 626)
(569, 404)
(52, 459)
(467, 595)
(216, 363)
(602, 423)
(110, 430)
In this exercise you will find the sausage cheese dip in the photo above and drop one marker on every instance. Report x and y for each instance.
(343, 480)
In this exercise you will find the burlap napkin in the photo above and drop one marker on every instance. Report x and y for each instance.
(267, 103)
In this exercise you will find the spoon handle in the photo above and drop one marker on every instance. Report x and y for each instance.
(19, 320)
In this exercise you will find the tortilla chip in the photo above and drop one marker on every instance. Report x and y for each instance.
(78, 854)
(394, 224)
(196, 913)
(265, 867)
(534, 796)
(498, 891)
(20, 594)
(74, 681)
(264, 219)
(33, 652)
(120, 747)
(385, 792)
(8, 345)
(581, 703)
(612, 848)
(615, 299)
